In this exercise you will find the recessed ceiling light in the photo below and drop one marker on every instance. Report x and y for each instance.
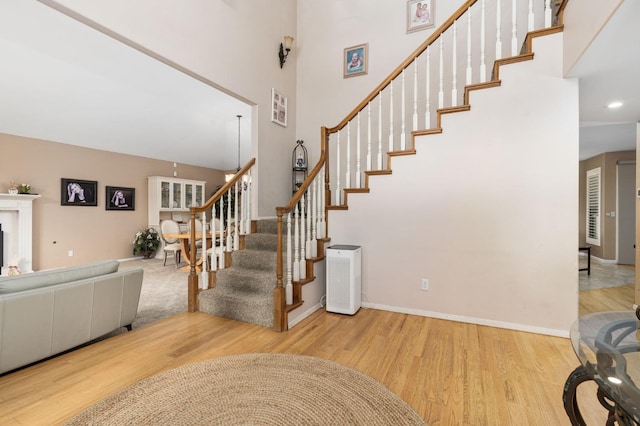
(616, 104)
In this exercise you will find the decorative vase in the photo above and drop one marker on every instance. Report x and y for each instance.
(13, 191)
(13, 270)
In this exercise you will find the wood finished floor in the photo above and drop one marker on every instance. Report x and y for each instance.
(451, 373)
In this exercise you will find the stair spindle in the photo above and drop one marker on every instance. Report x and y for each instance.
(454, 65)
(379, 131)
(358, 150)
(483, 64)
(302, 267)
(469, 67)
(427, 113)
(296, 244)
(308, 238)
(288, 289)
(530, 17)
(498, 30)
(369, 165)
(547, 13)
(391, 116)
(236, 233)
(403, 135)
(415, 96)
(514, 29)
(441, 91)
(338, 188)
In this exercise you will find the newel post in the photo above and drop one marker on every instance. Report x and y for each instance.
(192, 283)
(279, 314)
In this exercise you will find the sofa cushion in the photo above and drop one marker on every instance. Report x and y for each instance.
(11, 284)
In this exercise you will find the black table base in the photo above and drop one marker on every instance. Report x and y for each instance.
(570, 401)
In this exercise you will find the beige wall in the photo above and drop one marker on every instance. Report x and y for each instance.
(93, 233)
(608, 162)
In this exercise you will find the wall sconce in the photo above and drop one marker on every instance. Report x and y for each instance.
(284, 49)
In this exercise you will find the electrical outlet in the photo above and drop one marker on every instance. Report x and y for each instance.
(70, 253)
(424, 284)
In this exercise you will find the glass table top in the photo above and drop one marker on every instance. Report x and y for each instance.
(608, 346)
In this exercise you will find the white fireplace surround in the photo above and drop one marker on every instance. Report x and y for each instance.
(16, 217)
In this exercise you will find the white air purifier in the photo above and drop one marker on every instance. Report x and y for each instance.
(344, 279)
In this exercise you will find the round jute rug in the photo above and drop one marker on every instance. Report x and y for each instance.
(254, 389)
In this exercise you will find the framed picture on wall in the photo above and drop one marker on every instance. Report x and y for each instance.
(120, 198)
(278, 108)
(77, 192)
(420, 15)
(355, 60)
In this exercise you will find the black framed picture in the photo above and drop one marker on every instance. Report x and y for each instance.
(120, 198)
(77, 192)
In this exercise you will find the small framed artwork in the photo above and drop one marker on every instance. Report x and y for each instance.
(355, 60)
(278, 108)
(119, 198)
(76, 192)
(420, 14)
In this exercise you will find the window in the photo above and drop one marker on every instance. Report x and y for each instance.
(593, 206)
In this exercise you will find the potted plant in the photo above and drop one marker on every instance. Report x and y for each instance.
(146, 242)
(13, 188)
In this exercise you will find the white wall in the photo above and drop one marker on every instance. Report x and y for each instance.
(487, 210)
(234, 44)
(583, 21)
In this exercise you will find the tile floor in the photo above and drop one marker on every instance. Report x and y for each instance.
(605, 275)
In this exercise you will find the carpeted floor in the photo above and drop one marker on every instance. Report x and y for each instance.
(164, 290)
(259, 388)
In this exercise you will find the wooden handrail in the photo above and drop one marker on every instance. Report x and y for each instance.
(412, 57)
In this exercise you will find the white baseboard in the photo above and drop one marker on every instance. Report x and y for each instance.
(471, 320)
(304, 315)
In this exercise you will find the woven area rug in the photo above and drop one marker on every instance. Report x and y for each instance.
(256, 389)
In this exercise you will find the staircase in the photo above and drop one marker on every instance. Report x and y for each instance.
(244, 291)
(276, 258)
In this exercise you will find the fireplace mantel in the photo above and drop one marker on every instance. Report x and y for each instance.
(18, 234)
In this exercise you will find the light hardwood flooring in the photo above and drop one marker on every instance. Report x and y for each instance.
(451, 373)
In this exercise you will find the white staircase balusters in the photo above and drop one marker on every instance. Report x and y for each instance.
(369, 153)
(338, 187)
(403, 135)
(320, 210)
(483, 56)
(514, 29)
(203, 282)
(236, 233)
(229, 238)
(288, 287)
(347, 175)
(530, 17)
(441, 80)
(302, 267)
(498, 30)
(380, 130)
(391, 117)
(547, 13)
(469, 67)
(296, 244)
(415, 96)
(323, 204)
(427, 89)
(454, 78)
(358, 150)
(308, 238)
(222, 236)
(314, 218)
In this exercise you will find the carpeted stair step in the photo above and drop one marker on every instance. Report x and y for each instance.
(238, 305)
(247, 280)
(255, 259)
(268, 226)
(262, 242)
